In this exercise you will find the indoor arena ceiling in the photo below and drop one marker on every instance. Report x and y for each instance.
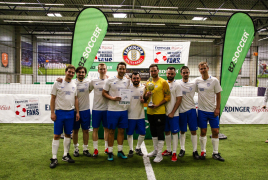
(157, 20)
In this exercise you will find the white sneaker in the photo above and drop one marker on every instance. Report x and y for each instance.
(153, 153)
(158, 158)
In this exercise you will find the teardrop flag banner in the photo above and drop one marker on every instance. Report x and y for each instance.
(238, 38)
(90, 29)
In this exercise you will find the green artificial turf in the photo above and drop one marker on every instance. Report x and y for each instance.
(26, 150)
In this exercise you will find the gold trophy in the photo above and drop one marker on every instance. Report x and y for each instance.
(150, 87)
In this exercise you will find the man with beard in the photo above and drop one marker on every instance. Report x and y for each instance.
(208, 109)
(187, 112)
(136, 114)
(99, 110)
(83, 91)
(63, 100)
(117, 115)
(157, 112)
(172, 114)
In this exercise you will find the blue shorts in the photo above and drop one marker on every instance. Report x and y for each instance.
(204, 117)
(117, 119)
(65, 119)
(84, 120)
(136, 124)
(189, 117)
(98, 117)
(172, 124)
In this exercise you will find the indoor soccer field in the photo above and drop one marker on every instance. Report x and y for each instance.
(39, 39)
(26, 150)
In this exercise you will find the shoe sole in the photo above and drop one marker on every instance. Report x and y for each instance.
(174, 160)
(95, 156)
(158, 161)
(181, 156)
(196, 158)
(110, 159)
(76, 155)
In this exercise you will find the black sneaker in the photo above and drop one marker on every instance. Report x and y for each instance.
(217, 157)
(182, 153)
(139, 152)
(76, 153)
(68, 158)
(130, 154)
(53, 163)
(86, 153)
(203, 156)
(195, 155)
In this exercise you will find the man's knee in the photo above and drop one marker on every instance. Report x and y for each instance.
(75, 131)
(167, 133)
(203, 131)
(215, 131)
(95, 130)
(121, 130)
(56, 137)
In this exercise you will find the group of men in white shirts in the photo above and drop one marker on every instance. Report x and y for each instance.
(68, 94)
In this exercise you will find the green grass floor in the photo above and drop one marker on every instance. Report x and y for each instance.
(26, 150)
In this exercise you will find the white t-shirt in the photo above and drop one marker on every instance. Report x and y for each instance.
(65, 95)
(136, 108)
(175, 91)
(100, 103)
(113, 85)
(207, 90)
(188, 92)
(83, 94)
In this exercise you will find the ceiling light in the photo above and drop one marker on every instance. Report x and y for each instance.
(50, 14)
(54, 4)
(58, 15)
(262, 39)
(121, 15)
(199, 18)
(98, 5)
(115, 23)
(201, 25)
(136, 39)
(159, 7)
(146, 39)
(148, 24)
(264, 29)
(12, 3)
(66, 22)
(222, 9)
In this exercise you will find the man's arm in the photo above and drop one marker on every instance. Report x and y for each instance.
(77, 109)
(106, 95)
(176, 106)
(52, 107)
(218, 104)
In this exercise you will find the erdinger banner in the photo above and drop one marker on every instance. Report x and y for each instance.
(238, 38)
(90, 29)
(141, 54)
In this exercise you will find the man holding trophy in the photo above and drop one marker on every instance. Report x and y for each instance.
(157, 94)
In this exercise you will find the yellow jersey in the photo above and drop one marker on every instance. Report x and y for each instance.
(161, 91)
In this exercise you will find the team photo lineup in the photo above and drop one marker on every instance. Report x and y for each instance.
(119, 103)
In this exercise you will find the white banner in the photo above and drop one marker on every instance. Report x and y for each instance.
(141, 54)
(20, 108)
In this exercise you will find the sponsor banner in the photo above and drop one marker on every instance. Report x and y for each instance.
(15, 108)
(141, 54)
(27, 107)
(246, 110)
(163, 69)
(238, 38)
(90, 29)
(105, 54)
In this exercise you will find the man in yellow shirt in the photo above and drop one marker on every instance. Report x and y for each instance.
(156, 113)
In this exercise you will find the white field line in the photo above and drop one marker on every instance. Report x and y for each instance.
(147, 164)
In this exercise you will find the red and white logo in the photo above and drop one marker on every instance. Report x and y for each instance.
(133, 55)
(160, 57)
(4, 107)
(20, 110)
